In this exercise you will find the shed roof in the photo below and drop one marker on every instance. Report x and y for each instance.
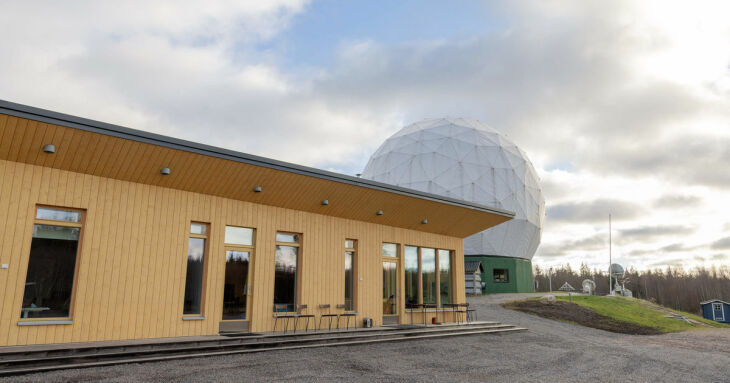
(714, 301)
(472, 266)
(112, 151)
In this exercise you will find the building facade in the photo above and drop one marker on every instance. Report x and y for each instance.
(111, 233)
(504, 274)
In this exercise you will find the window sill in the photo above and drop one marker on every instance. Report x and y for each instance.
(198, 317)
(46, 322)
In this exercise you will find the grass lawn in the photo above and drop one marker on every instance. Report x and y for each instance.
(639, 312)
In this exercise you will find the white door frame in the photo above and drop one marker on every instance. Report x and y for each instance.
(722, 310)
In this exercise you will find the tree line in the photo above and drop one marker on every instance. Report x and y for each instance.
(672, 287)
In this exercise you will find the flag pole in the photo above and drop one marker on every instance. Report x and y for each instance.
(610, 261)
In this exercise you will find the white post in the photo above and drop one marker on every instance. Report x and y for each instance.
(610, 281)
(550, 279)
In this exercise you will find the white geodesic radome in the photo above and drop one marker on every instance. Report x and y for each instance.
(468, 160)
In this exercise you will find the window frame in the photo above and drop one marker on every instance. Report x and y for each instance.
(437, 271)
(353, 250)
(494, 275)
(251, 249)
(451, 275)
(399, 271)
(297, 283)
(74, 284)
(419, 299)
(206, 261)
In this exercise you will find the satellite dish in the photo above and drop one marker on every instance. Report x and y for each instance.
(589, 286)
(616, 270)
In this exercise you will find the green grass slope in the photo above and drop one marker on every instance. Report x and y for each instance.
(640, 312)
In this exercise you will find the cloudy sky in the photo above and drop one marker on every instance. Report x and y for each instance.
(623, 107)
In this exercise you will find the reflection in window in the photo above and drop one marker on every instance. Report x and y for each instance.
(349, 275)
(239, 236)
(390, 250)
(285, 272)
(501, 275)
(198, 228)
(445, 276)
(428, 270)
(51, 266)
(287, 237)
(390, 288)
(47, 213)
(236, 284)
(195, 273)
(430, 290)
(410, 259)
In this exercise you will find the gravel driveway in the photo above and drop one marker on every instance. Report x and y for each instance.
(549, 352)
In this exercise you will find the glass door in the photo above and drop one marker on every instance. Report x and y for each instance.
(236, 288)
(390, 291)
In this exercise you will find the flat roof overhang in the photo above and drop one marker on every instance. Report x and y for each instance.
(111, 151)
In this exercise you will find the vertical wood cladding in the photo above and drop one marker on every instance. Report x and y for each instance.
(131, 273)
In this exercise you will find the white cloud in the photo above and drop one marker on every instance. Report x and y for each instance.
(620, 102)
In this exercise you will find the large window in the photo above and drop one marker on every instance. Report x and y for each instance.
(433, 266)
(445, 276)
(195, 274)
(236, 287)
(410, 259)
(49, 281)
(350, 254)
(285, 271)
(501, 275)
(390, 250)
(390, 278)
(428, 275)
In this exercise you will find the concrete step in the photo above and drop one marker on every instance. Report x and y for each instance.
(75, 349)
(259, 341)
(38, 363)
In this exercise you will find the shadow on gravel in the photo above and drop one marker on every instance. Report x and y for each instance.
(571, 312)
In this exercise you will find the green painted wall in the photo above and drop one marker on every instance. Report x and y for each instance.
(520, 274)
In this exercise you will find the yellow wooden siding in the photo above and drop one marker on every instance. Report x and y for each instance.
(21, 140)
(132, 256)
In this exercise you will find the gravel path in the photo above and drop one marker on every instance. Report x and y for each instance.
(549, 352)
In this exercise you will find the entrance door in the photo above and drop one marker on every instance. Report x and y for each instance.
(236, 290)
(717, 312)
(390, 292)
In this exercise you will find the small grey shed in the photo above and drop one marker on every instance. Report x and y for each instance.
(473, 276)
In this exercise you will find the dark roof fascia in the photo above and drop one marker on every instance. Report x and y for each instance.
(713, 301)
(51, 117)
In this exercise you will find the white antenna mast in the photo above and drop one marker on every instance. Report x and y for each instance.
(610, 261)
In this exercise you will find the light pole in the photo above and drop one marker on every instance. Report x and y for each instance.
(550, 278)
(610, 282)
